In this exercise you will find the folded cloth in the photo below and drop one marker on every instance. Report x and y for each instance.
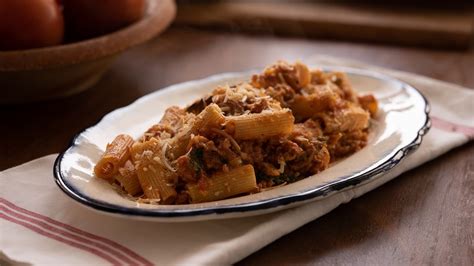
(41, 225)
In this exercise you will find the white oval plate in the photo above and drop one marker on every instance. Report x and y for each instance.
(398, 130)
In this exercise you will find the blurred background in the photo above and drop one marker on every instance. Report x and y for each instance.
(436, 24)
(55, 48)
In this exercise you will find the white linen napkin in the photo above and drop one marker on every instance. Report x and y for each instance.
(39, 224)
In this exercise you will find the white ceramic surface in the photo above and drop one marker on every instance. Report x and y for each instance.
(398, 129)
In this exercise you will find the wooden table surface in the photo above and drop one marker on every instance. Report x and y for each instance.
(424, 216)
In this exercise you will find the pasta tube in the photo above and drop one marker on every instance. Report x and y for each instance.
(210, 117)
(155, 179)
(348, 119)
(225, 184)
(127, 178)
(303, 74)
(369, 103)
(115, 156)
(354, 118)
(262, 125)
(307, 106)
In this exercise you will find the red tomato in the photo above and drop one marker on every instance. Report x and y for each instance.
(91, 18)
(28, 24)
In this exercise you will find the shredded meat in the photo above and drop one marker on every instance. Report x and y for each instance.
(236, 100)
(158, 131)
(296, 156)
(296, 76)
(283, 93)
(342, 144)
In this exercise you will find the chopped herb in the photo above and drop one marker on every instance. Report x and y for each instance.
(196, 156)
(277, 180)
(223, 160)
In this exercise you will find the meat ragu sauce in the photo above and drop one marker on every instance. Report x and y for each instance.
(285, 124)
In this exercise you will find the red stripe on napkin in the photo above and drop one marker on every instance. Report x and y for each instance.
(68, 235)
(451, 127)
(58, 238)
(103, 243)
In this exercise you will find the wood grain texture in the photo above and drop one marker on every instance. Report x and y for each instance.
(403, 24)
(422, 217)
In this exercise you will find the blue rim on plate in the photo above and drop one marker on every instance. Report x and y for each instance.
(345, 182)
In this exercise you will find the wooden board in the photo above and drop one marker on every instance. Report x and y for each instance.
(407, 26)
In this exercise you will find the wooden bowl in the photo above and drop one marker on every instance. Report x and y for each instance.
(57, 71)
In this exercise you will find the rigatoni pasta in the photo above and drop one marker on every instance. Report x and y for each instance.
(262, 125)
(223, 185)
(154, 177)
(283, 125)
(128, 179)
(115, 156)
